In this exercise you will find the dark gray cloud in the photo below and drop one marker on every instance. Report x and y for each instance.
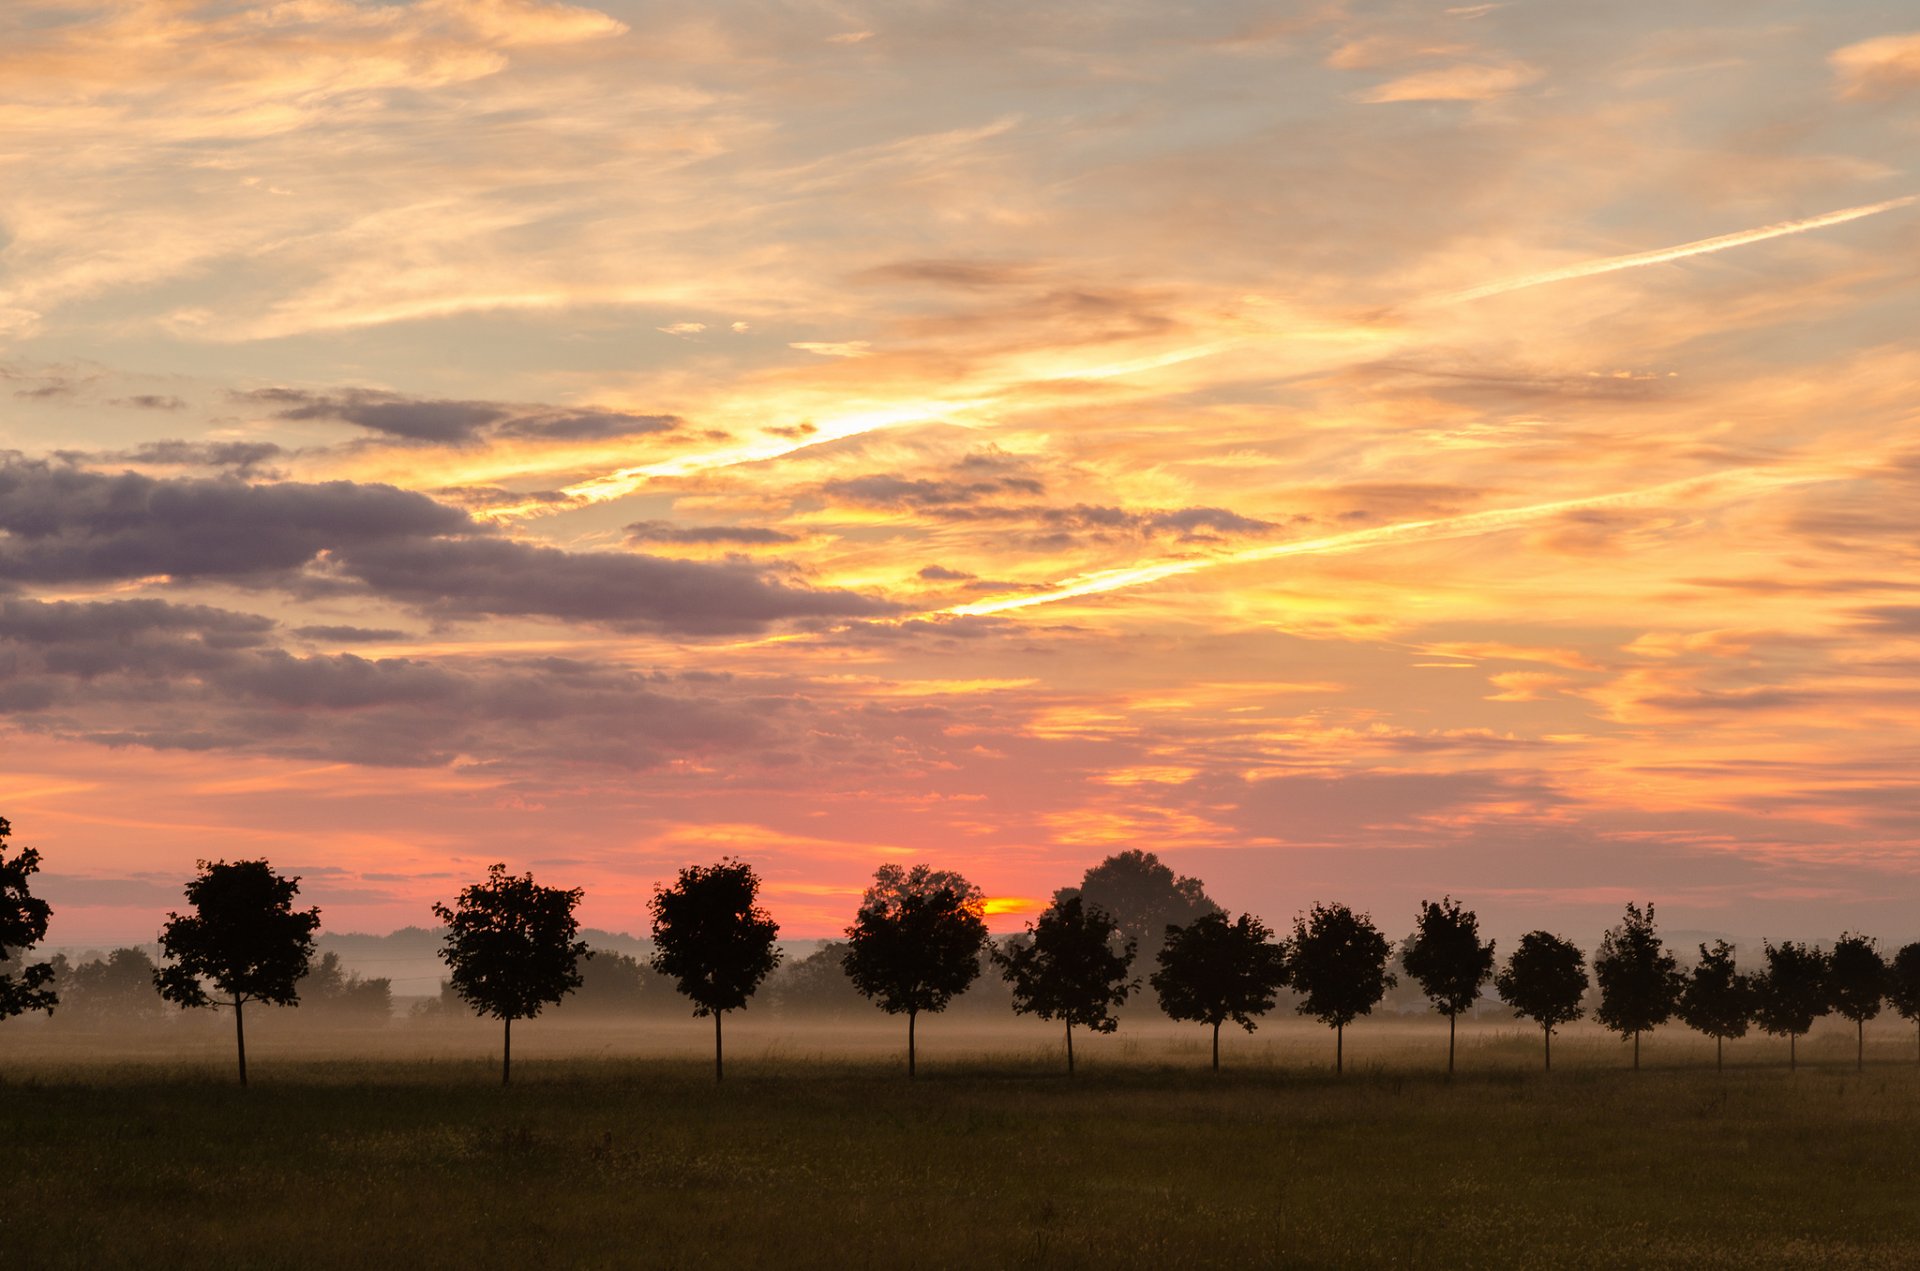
(1892, 619)
(150, 401)
(165, 676)
(244, 458)
(739, 535)
(412, 418)
(333, 634)
(587, 425)
(472, 577)
(67, 524)
(941, 574)
(964, 498)
(447, 421)
(889, 490)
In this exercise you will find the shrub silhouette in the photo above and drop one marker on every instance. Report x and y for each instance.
(1067, 969)
(915, 944)
(1337, 961)
(1857, 979)
(1543, 981)
(244, 937)
(23, 924)
(511, 949)
(117, 987)
(1716, 999)
(1445, 957)
(714, 940)
(1903, 988)
(1212, 971)
(1639, 980)
(1791, 993)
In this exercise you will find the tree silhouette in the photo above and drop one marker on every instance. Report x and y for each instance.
(1717, 1000)
(1142, 896)
(117, 987)
(1337, 961)
(23, 924)
(1903, 987)
(335, 991)
(1445, 957)
(1543, 981)
(713, 939)
(915, 944)
(1791, 993)
(1212, 970)
(1857, 980)
(1067, 969)
(244, 937)
(1640, 981)
(511, 949)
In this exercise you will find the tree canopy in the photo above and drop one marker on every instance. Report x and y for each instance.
(1543, 981)
(1212, 970)
(1857, 980)
(1066, 968)
(1639, 980)
(1445, 956)
(713, 939)
(244, 937)
(1142, 896)
(1337, 962)
(915, 943)
(1791, 992)
(1716, 998)
(512, 949)
(23, 924)
(1903, 984)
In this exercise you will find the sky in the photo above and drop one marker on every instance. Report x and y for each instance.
(1358, 451)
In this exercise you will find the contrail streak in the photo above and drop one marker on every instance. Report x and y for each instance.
(1746, 480)
(1699, 247)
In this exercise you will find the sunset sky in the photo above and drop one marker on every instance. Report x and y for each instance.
(1356, 450)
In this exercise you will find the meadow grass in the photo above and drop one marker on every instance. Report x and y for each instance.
(992, 1159)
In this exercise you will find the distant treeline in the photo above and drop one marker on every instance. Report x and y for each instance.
(918, 943)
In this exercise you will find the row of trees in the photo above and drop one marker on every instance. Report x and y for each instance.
(919, 940)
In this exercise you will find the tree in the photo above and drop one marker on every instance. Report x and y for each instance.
(1717, 1000)
(1791, 993)
(714, 940)
(1543, 981)
(1640, 981)
(1903, 986)
(1445, 956)
(1857, 979)
(1066, 968)
(1337, 961)
(1142, 896)
(512, 949)
(915, 944)
(244, 937)
(334, 990)
(1212, 970)
(816, 984)
(116, 988)
(23, 924)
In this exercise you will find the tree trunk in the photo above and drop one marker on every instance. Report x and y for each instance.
(1719, 1054)
(1792, 1061)
(1339, 1049)
(1548, 1030)
(718, 1071)
(1069, 1048)
(1453, 1020)
(240, 1037)
(1636, 1050)
(911, 1016)
(506, 1053)
(1216, 1045)
(1859, 1045)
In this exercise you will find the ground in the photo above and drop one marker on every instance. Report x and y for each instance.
(811, 1155)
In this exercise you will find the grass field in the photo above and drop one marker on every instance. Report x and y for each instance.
(819, 1154)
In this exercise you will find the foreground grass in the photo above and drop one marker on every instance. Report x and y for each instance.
(644, 1163)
